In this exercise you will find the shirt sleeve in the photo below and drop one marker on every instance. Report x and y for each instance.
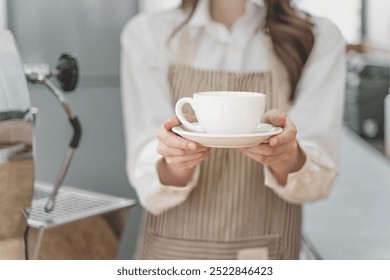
(317, 114)
(146, 104)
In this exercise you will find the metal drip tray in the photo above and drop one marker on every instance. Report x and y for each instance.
(72, 204)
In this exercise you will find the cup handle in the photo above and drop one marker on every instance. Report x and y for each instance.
(179, 113)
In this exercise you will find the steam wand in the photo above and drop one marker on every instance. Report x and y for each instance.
(66, 73)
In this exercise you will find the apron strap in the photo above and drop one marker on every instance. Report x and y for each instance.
(188, 45)
(279, 78)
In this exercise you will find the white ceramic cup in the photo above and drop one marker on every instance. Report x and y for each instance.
(223, 112)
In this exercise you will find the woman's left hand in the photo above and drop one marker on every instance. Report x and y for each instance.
(281, 148)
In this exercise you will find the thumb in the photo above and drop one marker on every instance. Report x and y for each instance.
(171, 122)
(275, 118)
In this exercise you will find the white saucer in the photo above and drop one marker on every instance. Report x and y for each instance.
(262, 133)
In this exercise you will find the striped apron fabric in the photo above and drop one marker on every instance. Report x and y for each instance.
(230, 214)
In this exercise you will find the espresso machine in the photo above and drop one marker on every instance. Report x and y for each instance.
(43, 220)
(16, 150)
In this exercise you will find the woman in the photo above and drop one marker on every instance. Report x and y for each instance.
(245, 203)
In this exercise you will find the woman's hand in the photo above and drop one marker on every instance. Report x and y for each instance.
(180, 155)
(282, 152)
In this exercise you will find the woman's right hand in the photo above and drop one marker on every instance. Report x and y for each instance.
(180, 155)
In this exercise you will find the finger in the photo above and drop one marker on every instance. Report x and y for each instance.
(172, 140)
(174, 121)
(194, 163)
(183, 160)
(289, 134)
(272, 160)
(178, 142)
(267, 160)
(171, 123)
(275, 118)
(286, 138)
(267, 150)
(166, 151)
(198, 160)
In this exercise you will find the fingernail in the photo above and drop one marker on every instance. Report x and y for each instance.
(191, 146)
(274, 141)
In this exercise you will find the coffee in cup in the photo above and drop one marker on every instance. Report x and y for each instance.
(223, 112)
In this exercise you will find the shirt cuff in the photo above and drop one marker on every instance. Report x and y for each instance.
(312, 182)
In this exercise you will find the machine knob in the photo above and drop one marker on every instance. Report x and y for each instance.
(67, 72)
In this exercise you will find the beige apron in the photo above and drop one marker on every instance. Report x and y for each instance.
(230, 214)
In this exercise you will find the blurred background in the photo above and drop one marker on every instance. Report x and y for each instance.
(353, 223)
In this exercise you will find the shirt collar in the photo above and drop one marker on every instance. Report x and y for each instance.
(202, 17)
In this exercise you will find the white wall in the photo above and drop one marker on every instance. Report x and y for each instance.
(379, 22)
(3, 15)
(346, 14)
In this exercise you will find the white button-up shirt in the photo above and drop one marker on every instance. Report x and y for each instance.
(146, 96)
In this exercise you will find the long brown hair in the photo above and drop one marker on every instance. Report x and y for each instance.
(291, 34)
